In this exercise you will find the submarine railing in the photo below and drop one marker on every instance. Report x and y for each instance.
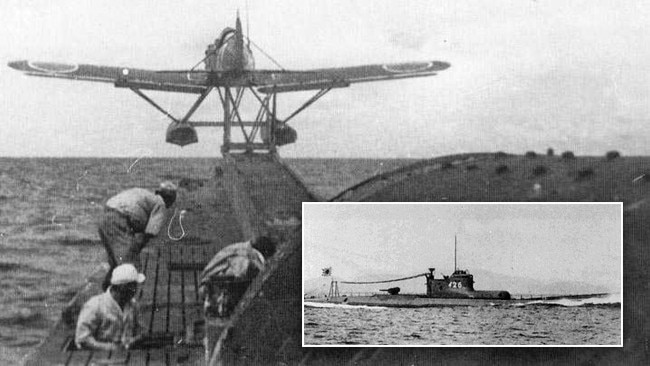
(350, 293)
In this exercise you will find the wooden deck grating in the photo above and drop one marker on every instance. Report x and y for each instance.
(169, 303)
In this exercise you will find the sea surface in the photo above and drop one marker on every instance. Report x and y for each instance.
(594, 321)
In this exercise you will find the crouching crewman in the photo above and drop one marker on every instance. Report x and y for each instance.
(225, 280)
(109, 321)
(132, 218)
(227, 276)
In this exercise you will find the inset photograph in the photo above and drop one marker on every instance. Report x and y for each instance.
(462, 274)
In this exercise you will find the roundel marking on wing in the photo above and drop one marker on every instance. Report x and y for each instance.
(407, 67)
(53, 68)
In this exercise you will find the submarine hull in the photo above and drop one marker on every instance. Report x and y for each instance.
(412, 301)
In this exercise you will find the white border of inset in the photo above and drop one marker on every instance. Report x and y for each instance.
(620, 345)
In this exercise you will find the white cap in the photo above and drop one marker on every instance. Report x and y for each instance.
(167, 187)
(125, 273)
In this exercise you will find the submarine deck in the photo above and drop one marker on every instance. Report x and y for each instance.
(410, 301)
(249, 194)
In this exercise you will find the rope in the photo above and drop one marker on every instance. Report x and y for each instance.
(399, 279)
(180, 222)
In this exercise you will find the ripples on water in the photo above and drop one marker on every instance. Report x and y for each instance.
(533, 324)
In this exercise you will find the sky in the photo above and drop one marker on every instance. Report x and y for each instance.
(546, 242)
(525, 75)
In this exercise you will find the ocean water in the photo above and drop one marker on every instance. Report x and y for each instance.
(561, 322)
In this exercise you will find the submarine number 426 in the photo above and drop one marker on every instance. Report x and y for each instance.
(456, 284)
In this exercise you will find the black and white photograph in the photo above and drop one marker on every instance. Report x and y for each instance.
(409, 274)
(155, 157)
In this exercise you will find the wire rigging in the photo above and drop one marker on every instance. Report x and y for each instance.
(267, 55)
(395, 280)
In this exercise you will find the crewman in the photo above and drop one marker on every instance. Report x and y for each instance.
(227, 276)
(225, 280)
(109, 321)
(130, 219)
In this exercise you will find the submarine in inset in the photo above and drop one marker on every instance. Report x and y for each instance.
(455, 290)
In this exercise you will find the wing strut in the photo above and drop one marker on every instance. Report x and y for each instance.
(154, 104)
(263, 123)
(263, 133)
(311, 101)
(196, 104)
(235, 113)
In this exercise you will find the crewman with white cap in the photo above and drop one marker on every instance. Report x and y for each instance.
(130, 219)
(109, 321)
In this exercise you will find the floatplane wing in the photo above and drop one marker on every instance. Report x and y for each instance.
(265, 81)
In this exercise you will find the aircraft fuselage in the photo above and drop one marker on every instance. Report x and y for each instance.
(228, 53)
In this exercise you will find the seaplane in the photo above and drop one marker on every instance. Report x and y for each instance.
(229, 68)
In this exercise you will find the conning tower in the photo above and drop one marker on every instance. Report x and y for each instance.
(461, 281)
